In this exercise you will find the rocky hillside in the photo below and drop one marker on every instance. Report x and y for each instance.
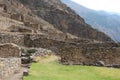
(64, 19)
(106, 22)
(17, 18)
(45, 17)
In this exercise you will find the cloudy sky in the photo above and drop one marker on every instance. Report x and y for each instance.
(107, 5)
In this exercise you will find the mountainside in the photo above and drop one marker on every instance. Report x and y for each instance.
(108, 23)
(64, 19)
(17, 18)
(49, 18)
(30, 29)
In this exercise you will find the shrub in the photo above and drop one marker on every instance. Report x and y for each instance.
(31, 51)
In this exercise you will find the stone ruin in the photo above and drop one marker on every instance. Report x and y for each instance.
(9, 50)
(71, 52)
(17, 16)
(3, 7)
(10, 62)
(100, 54)
(12, 38)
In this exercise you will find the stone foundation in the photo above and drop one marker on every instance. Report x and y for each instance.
(91, 54)
(71, 52)
(12, 38)
(9, 50)
(9, 67)
(10, 61)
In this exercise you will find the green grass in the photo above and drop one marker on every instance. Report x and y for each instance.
(54, 71)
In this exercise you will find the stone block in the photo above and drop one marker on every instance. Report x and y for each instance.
(9, 50)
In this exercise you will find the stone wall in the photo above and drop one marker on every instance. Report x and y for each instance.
(73, 52)
(18, 17)
(12, 38)
(10, 62)
(43, 42)
(9, 50)
(8, 67)
(91, 54)
(84, 53)
(29, 40)
(3, 7)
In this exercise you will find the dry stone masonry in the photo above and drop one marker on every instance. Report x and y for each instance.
(82, 52)
(9, 67)
(42, 52)
(9, 50)
(12, 38)
(57, 29)
(10, 62)
(102, 54)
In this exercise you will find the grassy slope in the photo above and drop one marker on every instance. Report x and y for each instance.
(54, 71)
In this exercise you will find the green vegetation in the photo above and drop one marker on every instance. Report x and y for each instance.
(31, 50)
(55, 71)
(28, 51)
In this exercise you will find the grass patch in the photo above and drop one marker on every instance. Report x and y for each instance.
(51, 70)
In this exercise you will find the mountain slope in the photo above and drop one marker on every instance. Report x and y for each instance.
(17, 18)
(64, 19)
(106, 22)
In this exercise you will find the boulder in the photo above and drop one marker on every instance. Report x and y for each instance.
(101, 63)
(25, 60)
(26, 72)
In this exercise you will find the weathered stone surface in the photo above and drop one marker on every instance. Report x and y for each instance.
(101, 54)
(25, 72)
(9, 50)
(77, 52)
(42, 52)
(100, 63)
(25, 60)
(18, 17)
(8, 67)
(3, 7)
(12, 38)
(10, 62)
(64, 19)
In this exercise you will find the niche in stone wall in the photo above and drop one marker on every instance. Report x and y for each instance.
(3, 7)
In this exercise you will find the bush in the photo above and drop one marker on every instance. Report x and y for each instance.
(31, 51)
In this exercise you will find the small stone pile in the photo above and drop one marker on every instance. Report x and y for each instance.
(42, 52)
